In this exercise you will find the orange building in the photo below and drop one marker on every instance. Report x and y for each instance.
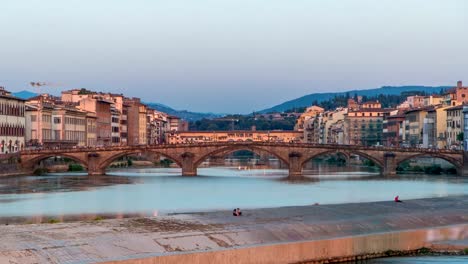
(180, 137)
(310, 112)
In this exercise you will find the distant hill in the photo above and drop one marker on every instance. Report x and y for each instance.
(184, 114)
(24, 94)
(307, 100)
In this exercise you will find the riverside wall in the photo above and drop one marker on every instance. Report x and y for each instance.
(320, 251)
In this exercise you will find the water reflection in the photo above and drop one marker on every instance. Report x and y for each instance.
(58, 183)
(162, 190)
(417, 260)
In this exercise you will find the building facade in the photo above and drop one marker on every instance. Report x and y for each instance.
(185, 137)
(52, 123)
(363, 126)
(455, 124)
(12, 123)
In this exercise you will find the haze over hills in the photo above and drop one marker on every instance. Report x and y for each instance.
(303, 101)
(308, 100)
(184, 114)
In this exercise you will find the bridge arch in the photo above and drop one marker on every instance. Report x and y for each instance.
(31, 163)
(458, 165)
(325, 152)
(347, 154)
(376, 160)
(106, 162)
(230, 149)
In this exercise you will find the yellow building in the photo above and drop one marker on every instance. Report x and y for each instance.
(49, 122)
(310, 112)
(454, 124)
(91, 129)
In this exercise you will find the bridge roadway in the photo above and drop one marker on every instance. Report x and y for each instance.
(190, 156)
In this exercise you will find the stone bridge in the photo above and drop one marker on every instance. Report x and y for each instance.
(294, 155)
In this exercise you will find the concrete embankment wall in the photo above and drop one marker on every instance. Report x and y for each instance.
(332, 250)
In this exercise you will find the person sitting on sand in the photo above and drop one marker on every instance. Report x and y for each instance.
(236, 212)
(239, 213)
(397, 199)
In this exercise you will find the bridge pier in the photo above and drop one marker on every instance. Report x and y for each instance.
(94, 166)
(295, 165)
(188, 165)
(390, 164)
(464, 170)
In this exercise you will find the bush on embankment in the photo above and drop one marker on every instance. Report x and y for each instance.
(40, 171)
(432, 169)
(75, 167)
(165, 163)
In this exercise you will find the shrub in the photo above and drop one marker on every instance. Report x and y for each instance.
(166, 162)
(369, 163)
(53, 221)
(451, 170)
(424, 250)
(40, 171)
(433, 169)
(75, 167)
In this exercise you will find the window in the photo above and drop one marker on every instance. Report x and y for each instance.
(33, 118)
(57, 120)
(57, 134)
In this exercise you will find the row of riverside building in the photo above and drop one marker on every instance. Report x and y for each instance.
(81, 118)
(434, 121)
(84, 118)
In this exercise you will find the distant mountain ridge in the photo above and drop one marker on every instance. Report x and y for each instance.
(184, 114)
(24, 94)
(307, 100)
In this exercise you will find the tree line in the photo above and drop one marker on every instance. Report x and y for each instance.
(287, 122)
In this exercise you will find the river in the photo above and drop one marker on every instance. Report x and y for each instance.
(152, 191)
(419, 260)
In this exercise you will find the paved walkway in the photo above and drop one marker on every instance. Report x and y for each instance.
(88, 242)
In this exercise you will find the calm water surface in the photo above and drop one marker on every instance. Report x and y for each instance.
(421, 260)
(163, 190)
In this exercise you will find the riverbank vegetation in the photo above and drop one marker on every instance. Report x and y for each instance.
(406, 166)
(75, 167)
(165, 163)
(40, 171)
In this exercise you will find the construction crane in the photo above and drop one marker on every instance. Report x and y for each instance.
(38, 86)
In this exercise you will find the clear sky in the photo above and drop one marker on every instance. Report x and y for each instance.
(231, 56)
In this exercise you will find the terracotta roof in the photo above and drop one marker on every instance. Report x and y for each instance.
(457, 107)
(427, 108)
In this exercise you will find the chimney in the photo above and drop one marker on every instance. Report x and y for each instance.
(459, 84)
